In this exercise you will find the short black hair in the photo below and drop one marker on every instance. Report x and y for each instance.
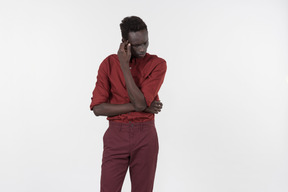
(131, 24)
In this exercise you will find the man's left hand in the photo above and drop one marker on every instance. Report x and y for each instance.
(155, 107)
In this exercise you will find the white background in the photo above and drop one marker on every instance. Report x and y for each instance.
(224, 125)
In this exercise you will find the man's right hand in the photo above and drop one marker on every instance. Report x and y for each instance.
(155, 107)
(124, 54)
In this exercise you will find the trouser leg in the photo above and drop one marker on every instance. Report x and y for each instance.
(115, 159)
(134, 145)
(143, 159)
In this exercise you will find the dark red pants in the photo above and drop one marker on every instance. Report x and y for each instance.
(133, 145)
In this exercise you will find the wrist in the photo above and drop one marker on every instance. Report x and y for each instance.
(124, 65)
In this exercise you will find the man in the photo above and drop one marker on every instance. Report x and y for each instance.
(127, 93)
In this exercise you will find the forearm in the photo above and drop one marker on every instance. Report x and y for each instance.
(135, 95)
(107, 109)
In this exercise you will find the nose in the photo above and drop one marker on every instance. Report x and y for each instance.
(142, 49)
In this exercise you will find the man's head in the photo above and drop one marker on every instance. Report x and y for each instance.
(134, 30)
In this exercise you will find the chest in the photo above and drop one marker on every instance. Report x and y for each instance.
(117, 80)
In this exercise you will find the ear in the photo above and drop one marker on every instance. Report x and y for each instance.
(124, 40)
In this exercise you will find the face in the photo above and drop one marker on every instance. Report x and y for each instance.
(139, 43)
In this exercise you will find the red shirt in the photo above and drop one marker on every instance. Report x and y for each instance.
(148, 73)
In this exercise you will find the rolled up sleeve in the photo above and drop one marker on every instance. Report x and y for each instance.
(151, 85)
(101, 90)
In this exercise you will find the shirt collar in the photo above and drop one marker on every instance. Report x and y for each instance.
(139, 59)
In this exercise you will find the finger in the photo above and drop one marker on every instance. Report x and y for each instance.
(129, 49)
(157, 103)
(158, 107)
(122, 46)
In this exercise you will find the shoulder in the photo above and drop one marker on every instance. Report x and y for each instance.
(155, 61)
(155, 58)
(109, 61)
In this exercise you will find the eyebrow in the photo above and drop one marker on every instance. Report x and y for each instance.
(139, 44)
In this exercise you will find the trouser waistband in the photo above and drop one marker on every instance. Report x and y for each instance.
(131, 124)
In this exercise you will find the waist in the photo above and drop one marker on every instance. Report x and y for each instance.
(132, 117)
(130, 124)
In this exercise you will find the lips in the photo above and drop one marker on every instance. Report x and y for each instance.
(142, 54)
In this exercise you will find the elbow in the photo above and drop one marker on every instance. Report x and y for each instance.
(97, 110)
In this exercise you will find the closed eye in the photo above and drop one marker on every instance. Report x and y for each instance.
(138, 45)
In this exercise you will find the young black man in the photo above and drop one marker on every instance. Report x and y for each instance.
(126, 92)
